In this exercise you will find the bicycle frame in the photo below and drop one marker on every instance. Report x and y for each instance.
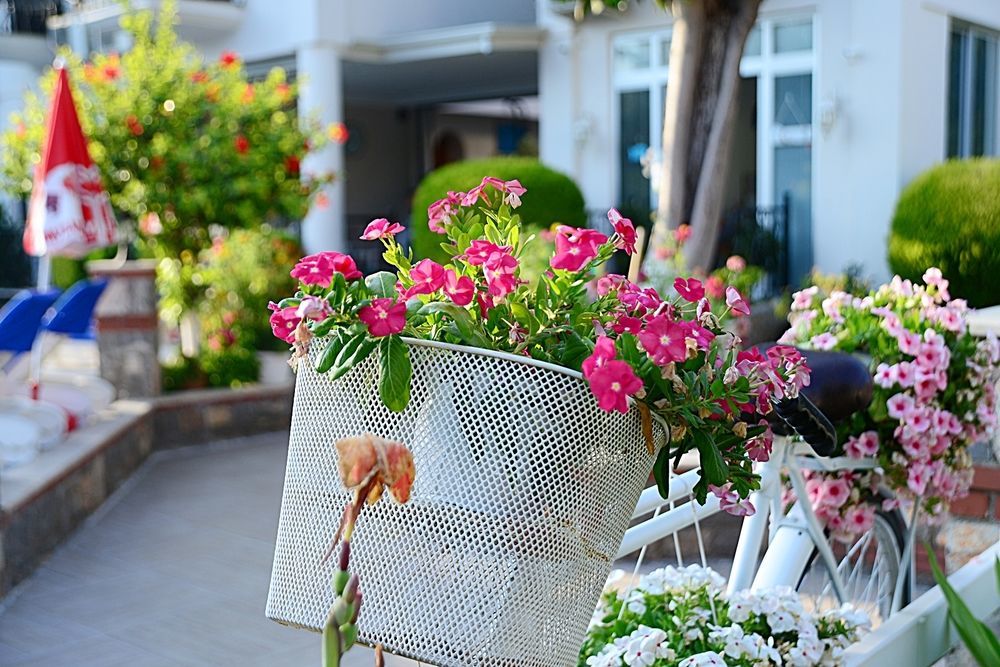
(790, 537)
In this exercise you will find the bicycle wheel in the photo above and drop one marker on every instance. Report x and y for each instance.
(868, 565)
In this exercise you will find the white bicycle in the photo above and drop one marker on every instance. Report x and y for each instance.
(789, 546)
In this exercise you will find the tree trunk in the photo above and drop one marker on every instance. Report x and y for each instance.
(705, 52)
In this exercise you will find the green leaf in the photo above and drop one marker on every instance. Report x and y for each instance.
(352, 353)
(382, 284)
(290, 301)
(329, 355)
(978, 638)
(394, 380)
(713, 468)
(324, 327)
(661, 472)
(460, 316)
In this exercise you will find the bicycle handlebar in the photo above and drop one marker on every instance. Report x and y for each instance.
(807, 420)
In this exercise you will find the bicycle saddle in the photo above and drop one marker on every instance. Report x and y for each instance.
(840, 384)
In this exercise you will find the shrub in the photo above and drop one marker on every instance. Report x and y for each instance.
(554, 197)
(949, 217)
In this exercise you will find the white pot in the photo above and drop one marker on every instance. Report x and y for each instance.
(524, 489)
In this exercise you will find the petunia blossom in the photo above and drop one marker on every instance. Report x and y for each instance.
(735, 301)
(663, 340)
(625, 231)
(283, 322)
(575, 247)
(612, 384)
(428, 277)
(381, 229)
(383, 317)
(318, 269)
(604, 351)
(690, 289)
(460, 289)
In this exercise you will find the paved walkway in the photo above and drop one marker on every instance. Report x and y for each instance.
(173, 570)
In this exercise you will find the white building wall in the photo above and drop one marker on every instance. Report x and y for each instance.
(880, 65)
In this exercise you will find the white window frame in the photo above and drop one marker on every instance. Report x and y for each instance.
(765, 67)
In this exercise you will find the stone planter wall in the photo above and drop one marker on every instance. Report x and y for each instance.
(43, 502)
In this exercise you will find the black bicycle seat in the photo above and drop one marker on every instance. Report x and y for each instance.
(840, 384)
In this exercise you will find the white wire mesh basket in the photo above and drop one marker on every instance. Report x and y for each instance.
(524, 489)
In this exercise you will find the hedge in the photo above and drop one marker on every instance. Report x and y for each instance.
(552, 197)
(949, 217)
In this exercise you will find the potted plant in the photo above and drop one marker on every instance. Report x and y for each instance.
(934, 394)
(527, 482)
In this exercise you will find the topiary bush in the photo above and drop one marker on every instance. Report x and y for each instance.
(554, 197)
(949, 217)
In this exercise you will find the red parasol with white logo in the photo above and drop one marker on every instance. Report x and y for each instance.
(70, 213)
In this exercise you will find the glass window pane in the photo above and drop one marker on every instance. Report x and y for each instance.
(793, 99)
(632, 54)
(752, 47)
(956, 86)
(665, 52)
(793, 179)
(790, 37)
(634, 138)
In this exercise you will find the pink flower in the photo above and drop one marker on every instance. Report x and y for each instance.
(475, 194)
(864, 445)
(501, 278)
(384, 317)
(803, 300)
(380, 229)
(690, 289)
(736, 264)
(460, 289)
(917, 477)
(611, 282)
(682, 233)
(612, 383)
(759, 448)
(663, 340)
(283, 322)
(736, 302)
(730, 502)
(313, 308)
(824, 341)
(905, 374)
(627, 324)
(604, 351)
(318, 269)
(625, 231)
(575, 247)
(834, 492)
(885, 375)
(860, 518)
(514, 190)
(442, 210)
(900, 406)
(715, 287)
(479, 251)
(934, 277)
(427, 276)
(909, 342)
(933, 357)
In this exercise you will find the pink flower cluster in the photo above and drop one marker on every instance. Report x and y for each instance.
(442, 211)
(933, 397)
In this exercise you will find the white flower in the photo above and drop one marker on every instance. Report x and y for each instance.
(780, 621)
(706, 659)
(610, 656)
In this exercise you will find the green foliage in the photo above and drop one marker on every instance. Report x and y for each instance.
(554, 198)
(976, 635)
(241, 273)
(949, 217)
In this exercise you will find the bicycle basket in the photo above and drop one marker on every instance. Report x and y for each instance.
(524, 489)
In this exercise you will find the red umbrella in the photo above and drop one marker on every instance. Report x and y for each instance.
(70, 213)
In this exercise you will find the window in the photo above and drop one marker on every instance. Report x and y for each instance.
(972, 91)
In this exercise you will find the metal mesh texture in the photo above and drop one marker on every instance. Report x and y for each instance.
(523, 491)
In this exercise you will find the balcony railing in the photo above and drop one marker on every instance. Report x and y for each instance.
(27, 16)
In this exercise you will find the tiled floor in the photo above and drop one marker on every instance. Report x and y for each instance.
(173, 570)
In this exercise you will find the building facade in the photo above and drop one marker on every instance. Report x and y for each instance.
(842, 102)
